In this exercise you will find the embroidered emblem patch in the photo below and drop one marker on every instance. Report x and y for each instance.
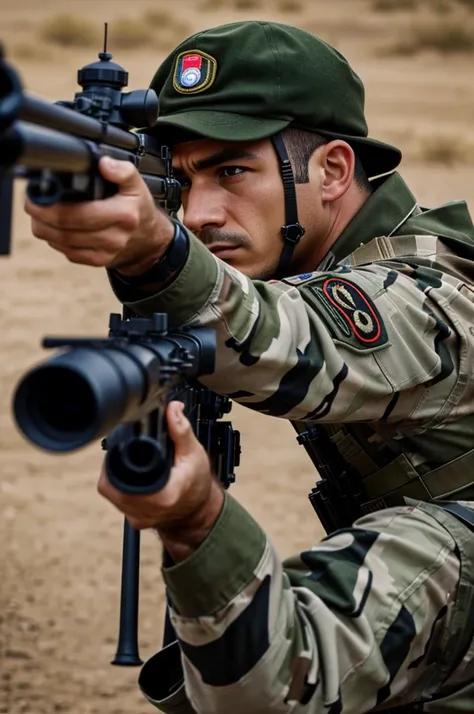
(194, 72)
(348, 311)
(355, 307)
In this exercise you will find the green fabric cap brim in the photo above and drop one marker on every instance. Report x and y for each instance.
(223, 126)
(376, 156)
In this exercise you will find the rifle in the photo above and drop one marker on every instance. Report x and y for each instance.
(120, 387)
(57, 147)
(117, 388)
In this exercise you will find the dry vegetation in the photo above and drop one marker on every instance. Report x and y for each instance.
(243, 4)
(67, 30)
(290, 6)
(447, 151)
(25, 51)
(440, 6)
(393, 5)
(444, 35)
(156, 27)
(442, 27)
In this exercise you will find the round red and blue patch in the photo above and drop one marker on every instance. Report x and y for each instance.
(356, 309)
(194, 72)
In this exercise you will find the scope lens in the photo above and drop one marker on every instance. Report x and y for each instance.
(60, 403)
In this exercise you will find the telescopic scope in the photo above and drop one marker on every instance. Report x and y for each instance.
(93, 386)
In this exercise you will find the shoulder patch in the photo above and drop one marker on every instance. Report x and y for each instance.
(296, 279)
(194, 72)
(349, 313)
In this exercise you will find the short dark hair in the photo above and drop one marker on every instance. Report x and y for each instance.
(301, 145)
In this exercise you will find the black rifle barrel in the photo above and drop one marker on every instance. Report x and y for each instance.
(54, 116)
(37, 147)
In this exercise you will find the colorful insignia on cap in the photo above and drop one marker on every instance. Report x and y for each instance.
(194, 72)
(356, 308)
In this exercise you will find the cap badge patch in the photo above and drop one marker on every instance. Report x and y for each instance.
(194, 72)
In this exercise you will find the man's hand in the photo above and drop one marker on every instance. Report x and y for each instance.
(126, 232)
(185, 511)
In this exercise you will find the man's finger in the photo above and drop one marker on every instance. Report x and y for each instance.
(59, 237)
(103, 483)
(105, 488)
(85, 217)
(122, 173)
(180, 429)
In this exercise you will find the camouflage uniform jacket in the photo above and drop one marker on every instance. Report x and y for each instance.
(379, 616)
(376, 345)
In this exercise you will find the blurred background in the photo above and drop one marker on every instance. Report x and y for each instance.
(60, 544)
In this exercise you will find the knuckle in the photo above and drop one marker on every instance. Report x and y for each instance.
(73, 256)
(112, 244)
(131, 219)
(98, 260)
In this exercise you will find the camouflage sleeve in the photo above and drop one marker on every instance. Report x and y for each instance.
(358, 621)
(380, 341)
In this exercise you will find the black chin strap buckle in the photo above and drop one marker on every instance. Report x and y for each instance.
(293, 233)
(293, 230)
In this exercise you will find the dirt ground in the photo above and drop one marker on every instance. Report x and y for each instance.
(60, 544)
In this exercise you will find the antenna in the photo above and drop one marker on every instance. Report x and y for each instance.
(106, 25)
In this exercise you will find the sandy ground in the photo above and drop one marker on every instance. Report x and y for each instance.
(60, 544)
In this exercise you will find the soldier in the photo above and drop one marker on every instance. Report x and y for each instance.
(354, 320)
(379, 615)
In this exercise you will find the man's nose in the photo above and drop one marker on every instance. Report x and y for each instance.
(202, 209)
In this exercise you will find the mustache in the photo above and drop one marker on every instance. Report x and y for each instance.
(212, 236)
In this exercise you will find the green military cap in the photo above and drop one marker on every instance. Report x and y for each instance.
(245, 81)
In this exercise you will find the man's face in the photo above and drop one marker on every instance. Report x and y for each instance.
(233, 201)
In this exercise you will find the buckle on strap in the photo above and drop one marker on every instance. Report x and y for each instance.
(293, 232)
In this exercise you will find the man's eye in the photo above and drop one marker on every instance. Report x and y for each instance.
(230, 171)
(185, 183)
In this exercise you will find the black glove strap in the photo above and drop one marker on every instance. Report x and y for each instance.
(171, 262)
(293, 231)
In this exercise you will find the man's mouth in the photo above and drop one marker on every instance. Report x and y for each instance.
(224, 251)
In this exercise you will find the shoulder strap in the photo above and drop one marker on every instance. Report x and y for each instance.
(466, 515)
(389, 248)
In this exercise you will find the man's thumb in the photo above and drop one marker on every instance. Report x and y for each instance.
(122, 173)
(179, 429)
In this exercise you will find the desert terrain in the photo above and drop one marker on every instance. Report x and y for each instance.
(60, 543)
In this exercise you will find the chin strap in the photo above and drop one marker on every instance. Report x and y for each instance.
(293, 231)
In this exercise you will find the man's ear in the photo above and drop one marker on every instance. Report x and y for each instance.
(336, 162)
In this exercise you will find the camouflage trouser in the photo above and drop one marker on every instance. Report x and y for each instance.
(435, 676)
